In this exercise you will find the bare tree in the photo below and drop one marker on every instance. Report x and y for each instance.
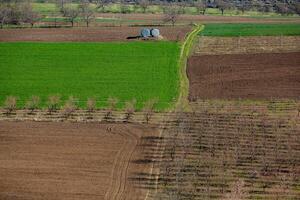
(100, 4)
(111, 106)
(264, 142)
(264, 7)
(53, 103)
(144, 4)
(87, 12)
(70, 106)
(172, 14)
(91, 104)
(71, 14)
(5, 11)
(200, 6)
(149, 109)
(282, 8)
(54, 15)
(182, 7)
(32, 103)
(297, 8)
(244, 5)
(124, 7)
(10, 104)
(129, 109)
(61, 4)
(28, 14)
(222, 5)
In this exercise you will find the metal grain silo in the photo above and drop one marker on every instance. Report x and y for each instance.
(145, 33)
(154, 32)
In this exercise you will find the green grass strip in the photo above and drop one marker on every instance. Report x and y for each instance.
(251, 29)
(182, 102)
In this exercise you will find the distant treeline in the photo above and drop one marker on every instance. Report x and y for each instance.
(279, 6)
(21, 11)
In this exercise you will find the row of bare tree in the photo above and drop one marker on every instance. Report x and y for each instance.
(83, 10)
(87, 12)
(71, 105)
(213, 156)
(20, 12)
(280, 6)
(13, 12)
(16, 13)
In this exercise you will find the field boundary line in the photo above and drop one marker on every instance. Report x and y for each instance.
(182, 101)
(183, 92)
(122, 163)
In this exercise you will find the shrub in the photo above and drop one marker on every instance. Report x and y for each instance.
(32, 103)
(111, 106)
(53, 103)
(70, 106)
(91, 104)
(10, 104)
(129, 109)
(149, 109)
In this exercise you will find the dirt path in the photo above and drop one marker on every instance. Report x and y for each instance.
(182, 102)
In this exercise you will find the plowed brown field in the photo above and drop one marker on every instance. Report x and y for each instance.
(246, 45)
(47, 160)
(99, 34)
(246, 76)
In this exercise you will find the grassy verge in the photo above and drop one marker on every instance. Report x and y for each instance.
(182, 102)
(251, 29)
(140, 70)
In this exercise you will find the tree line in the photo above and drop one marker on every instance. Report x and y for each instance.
(54, 104)
(21, 12)
(17, 12)
(279, 6)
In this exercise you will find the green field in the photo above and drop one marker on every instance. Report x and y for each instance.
(141, 70)
(250, 29)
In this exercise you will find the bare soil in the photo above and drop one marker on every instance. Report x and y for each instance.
(47, 160)
(245, 76)
(238, 45)
(99, 34)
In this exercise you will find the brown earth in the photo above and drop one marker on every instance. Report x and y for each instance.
(245, 76)
(253, 44)
(47, 160)
(99, 34)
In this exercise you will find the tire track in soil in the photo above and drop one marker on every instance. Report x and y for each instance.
(120, 194)
(121, 166)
